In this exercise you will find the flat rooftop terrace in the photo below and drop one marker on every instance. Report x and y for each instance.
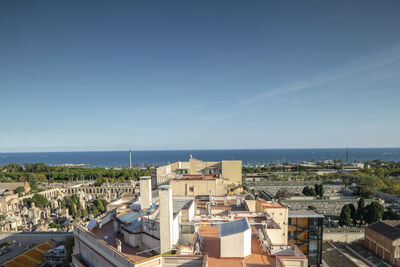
(107, 234)
(211, 246)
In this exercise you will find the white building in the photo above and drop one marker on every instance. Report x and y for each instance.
(235, 239)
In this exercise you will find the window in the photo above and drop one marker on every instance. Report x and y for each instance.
(191, 188)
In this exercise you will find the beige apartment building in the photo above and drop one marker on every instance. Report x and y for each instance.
(198, 185)
(229, 171)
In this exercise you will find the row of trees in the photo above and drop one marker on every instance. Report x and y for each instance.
(365, 214)
(382, 176)
(317, 190)
(40, 173)
(42, 167)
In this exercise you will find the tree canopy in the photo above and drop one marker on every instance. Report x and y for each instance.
(345, 216)
(373, 212)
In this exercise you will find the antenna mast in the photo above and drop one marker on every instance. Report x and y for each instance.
(130, 159)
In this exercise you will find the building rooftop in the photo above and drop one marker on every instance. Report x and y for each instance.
(304, 214)
(272, 205)
(211, 246)
(107, 234)
(32, 257)
(233, 227)
(390, 229)
(128, 217)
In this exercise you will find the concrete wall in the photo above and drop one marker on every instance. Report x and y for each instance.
(133, 239)
(191, 212)
(232, 170)
(276, 236)
(145, 192)
(175, 228)
(336, 235)
(288, 262)
(197, 166)
(166, 219)
(150, 243)
(236, 245)
(280, 216)
(198, 187)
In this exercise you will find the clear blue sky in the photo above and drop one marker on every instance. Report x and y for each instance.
(109, 75)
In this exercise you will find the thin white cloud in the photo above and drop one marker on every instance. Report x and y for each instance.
(361, 65)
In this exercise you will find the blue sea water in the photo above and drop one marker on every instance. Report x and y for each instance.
(250, 156)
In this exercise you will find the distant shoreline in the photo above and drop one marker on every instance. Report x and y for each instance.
(200, 149)
(110, 159)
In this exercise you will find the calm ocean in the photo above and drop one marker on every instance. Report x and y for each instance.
(251, 156)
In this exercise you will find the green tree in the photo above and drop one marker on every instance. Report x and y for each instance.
(83, 212)
(345, 216)
(100, 206)
(54, 225)
(78, 205)
(69, 246)
(353, 213)
(41, 177)
(363, 191)
(309, 191)
(321, 190)
(19, 189)
(317, 189)
(32, 181)
(373, 212)
(360, 213)
(390, 214)
(93, 210)
(74, 198)
(72, 210)
(105, 203)
(40, 201)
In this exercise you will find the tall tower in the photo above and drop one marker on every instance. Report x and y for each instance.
(130, 158)
(347, 155)
(166, 230)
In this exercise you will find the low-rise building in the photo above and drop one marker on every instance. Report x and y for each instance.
(33, 257)
(383, 239)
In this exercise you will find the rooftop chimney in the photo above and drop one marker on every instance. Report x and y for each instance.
(145, 192)
(166, 230)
